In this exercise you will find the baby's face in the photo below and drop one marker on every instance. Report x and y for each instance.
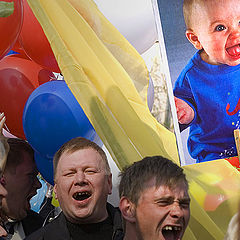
(217, 27)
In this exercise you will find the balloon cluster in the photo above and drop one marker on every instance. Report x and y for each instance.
(38, 107)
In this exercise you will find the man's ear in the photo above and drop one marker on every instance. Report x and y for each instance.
(3, 180)
(109, 184)
(192, 38)
(128, 209)
(55, 190)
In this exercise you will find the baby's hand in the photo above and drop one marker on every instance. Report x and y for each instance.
(185, 113)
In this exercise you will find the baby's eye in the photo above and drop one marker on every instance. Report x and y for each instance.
(220, 28)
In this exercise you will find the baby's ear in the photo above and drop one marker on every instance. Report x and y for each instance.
(192, 38)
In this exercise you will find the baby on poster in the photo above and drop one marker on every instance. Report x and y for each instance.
(207, 94)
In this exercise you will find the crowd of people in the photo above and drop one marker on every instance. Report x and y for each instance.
(154, 200)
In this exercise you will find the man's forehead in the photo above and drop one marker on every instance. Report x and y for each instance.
(27, 163)
(163, 188)
(179, 191)
(85, 156)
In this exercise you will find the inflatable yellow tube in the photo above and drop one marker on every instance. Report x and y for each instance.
(103, 70)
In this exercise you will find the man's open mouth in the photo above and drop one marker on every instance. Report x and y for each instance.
(80, 196)
(171, 232)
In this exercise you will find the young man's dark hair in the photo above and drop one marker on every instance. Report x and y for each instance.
(134, 177)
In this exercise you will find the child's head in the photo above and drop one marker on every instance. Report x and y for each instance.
(214, 26)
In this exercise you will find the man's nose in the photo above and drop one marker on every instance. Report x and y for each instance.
(176, 210)
(79, 178)
(37, 183)
(3, 191)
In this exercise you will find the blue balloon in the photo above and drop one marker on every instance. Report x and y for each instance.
(37, 200)
(52, 116)
(11, 52)
(45, 167)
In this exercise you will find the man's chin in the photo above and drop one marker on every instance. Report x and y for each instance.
(21, 215)
(80, 216)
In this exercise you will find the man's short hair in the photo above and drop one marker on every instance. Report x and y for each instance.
(135, 177)
(15, 156)
(76, 144)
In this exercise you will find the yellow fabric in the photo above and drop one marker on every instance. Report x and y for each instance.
(103, 70)
(213, 206)
(54, 200)
(102, 86)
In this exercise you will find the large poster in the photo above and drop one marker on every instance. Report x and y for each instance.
(203, 62)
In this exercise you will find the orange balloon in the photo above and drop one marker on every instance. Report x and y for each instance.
(34, 42)
(212, 201)
(10, 27)
(19, 77)
(234, 161)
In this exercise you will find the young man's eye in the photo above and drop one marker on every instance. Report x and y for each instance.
(164, 202)
(185, 204)
(220, 28)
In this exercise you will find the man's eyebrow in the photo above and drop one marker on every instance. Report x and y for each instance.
(184, 199)
(69, 169)
(164, 198)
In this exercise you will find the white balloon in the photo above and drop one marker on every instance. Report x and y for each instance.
(8, 134)
(98, 140)
(150, 94)
(134, 19)
(113, 198)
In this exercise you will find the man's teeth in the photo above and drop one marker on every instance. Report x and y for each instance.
(81, 195)
(172, 228)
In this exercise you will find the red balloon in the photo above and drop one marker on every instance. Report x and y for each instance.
(10, 27)
(17, 47)
(19, 77)
(34, 41)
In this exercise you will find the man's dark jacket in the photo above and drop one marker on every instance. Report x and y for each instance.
(32, 222)
(57, 229)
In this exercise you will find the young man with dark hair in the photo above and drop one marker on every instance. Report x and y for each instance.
(154, 200)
